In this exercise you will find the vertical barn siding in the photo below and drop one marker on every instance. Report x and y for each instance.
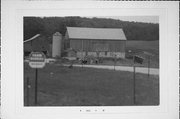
(89, 45)
(86, 44)
(76, 45)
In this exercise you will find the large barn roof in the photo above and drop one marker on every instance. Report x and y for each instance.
(96, 33)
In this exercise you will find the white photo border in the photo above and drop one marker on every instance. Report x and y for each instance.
(12, 49)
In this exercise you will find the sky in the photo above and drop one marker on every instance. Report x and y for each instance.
(145, 19)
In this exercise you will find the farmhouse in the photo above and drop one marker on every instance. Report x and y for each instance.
(99, 42)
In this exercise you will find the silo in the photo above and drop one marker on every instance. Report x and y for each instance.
(56, 44)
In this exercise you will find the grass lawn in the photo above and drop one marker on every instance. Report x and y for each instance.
(63, 86)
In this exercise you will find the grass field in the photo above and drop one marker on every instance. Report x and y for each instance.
(63, 86)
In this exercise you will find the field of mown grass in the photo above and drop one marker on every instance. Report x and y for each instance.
(63, 86)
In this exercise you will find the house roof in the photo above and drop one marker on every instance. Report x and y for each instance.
(96, 33)
(32, 38)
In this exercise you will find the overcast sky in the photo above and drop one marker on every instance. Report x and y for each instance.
(146, 19)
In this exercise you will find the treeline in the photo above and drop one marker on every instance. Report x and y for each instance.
(49, 25)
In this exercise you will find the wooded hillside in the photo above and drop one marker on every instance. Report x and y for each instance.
(49, 25)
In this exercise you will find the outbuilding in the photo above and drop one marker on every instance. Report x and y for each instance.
(98, 42)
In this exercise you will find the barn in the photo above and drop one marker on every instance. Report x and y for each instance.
(98, 42)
